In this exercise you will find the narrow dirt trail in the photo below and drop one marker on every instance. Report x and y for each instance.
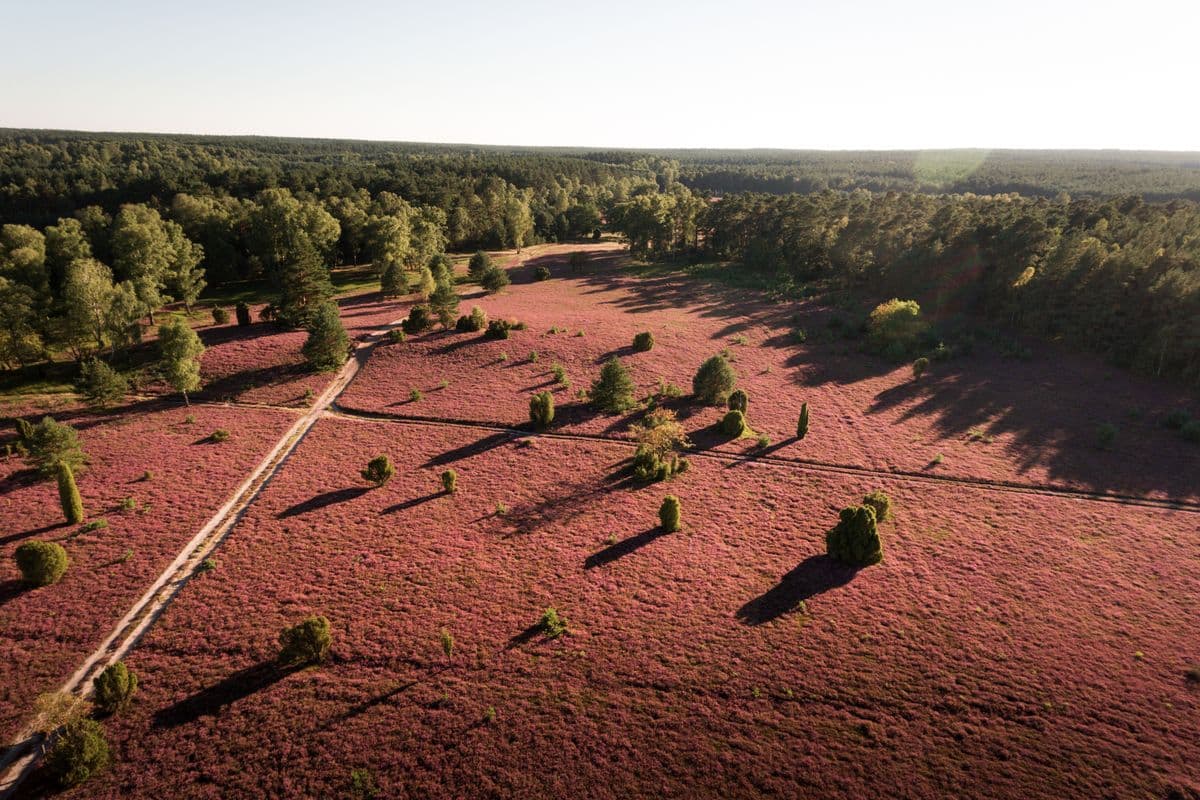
(22, 755)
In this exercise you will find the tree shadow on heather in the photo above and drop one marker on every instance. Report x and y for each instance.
(412, 503)
(16, 537)
(814, 575)
(11, 590)
(623, 548)
(322, 500)
(213, 699)
(475, 448)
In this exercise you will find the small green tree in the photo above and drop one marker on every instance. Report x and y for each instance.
(498, 329)
(669, 514)
(660, 437)
(179, 361)
(478, 266)
(425, 283)
(243, 315)
(41, 563)
(306, 642)
(919, 366)
(417, 321)
(643, 342)
(327, 345)
(113, 689)
(733, 423)
(379, 471)
(447, 644)
(895, 328)
(541, 410)
(392, 281)
(494, 280)
(802, 423)
(47, 444)
(855, 539)
(220, 315)
(881, 503)
(101, 385)
(541, 273)
(738, 401)
(474, 322)
(444, 304)
(68, 494)
(80, 751)
(450, 481)
(714, 381)
(613, 390)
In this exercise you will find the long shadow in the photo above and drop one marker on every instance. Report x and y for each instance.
(322, 500)
(414, 502)
(361, 708)
(624, 351)
(525, 636)
(814, 575)
(467, 450)
(11, 590)
(622, 548)
(211, 700)
(16, 537)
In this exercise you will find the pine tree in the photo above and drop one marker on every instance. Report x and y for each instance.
(304, 286)
(393, 283)
(613, 390)
(444, 304)
(327, 346)
(68, 494)
(802, 423)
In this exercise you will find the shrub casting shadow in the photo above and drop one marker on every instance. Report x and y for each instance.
(623, 548)
(210, 701)
(11, 590)
(16, 537)
(814, 575)
(322, 500)
(407, 504)
(467, 450)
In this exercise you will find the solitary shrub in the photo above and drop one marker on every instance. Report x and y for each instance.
(498, 329)
(738, 400)
(306, 642)
(379, 471)
(219, 435)
(643, 342)
(541, 410)
(327, 346)
(220, 315)
(895, 328)
(100, 384)
(68, 495)
(46, 444)
(494, 280)
(1106, 434)
(80, 751)
(114, 688)
(802, 423)
(881, 503)
(552, 623)
(444, 303)
(669, 514)
(243, 314)
(855, 539)
(450, 481)
(477, 320)
(541, 274)
(733, 423)
(417, 321)
(613, 390)
(416, 395)
(714, 381)
(659, 437)
(479, 264)
(41, 563)
(919, 366)
(397, 336)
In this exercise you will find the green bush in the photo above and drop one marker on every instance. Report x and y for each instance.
(733, 423)
(41, 563)
(714, 381)
(477, 320)
(306, 642)
(426, 284)
(80, 750)
(220, 315)
(738, 401)
(855, 539)
(498, 329)
(802, 423)
(919, 366)
(552, 623)
(379, 471)
(450, 481)
(392, 281)
(100, 384)
(649, 465)
(613, 390)
(243, 314)
(494, 280)
(669, 514)
(478, 266)
(68, 495)
(895, 328)
(444, 303)
(219, 435)
(418, 320)
(643, 342)
(1106, 435)
(541, 410)
(113, 689)
(880, 503)
(327, 346)
(541, 274)
(397, 336)
(46, 444)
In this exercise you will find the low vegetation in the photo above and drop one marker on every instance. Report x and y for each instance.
(855, 539)
(306, 642)
(41, 563)
(714, 381)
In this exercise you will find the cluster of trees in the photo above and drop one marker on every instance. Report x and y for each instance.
(1118, 276)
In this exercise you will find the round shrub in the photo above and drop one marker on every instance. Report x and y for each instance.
(669, 514)
(895, 328)
(541, 410)
(613, 390)
(41, 563)
(541, 274)
(80, 751)
(650, 465)
(478, 319)
(450, 481)
(919, 366)
(498, 329)
(113, 689)
(419, 319)
(379, 471)
(243, 314)
(733, 423)
(802, 423)
(220, 315)
(855, 539)
(306, 642)
(738, 400)
(643, 342)
(881, 503)
(479, 264)
(714, 381)
(494, 280)
(397, 336)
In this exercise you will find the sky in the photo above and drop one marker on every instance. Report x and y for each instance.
(840, 74)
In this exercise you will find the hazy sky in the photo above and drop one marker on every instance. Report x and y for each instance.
(742, 73)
